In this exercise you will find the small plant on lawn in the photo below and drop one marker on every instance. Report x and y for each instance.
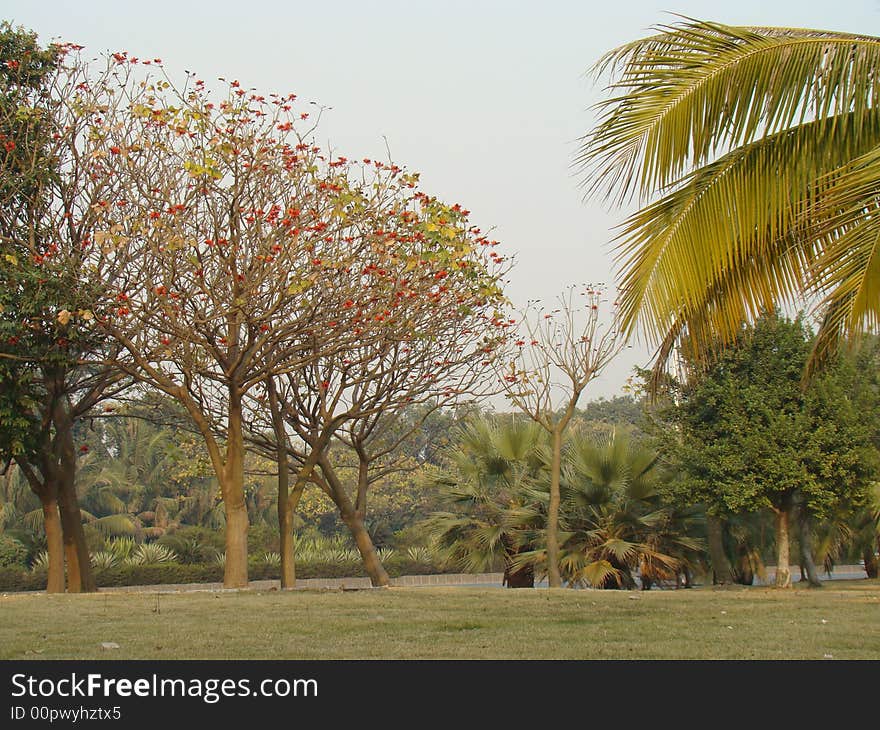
(121, 548)
(40, 561)
(151, 554)
(105, 559)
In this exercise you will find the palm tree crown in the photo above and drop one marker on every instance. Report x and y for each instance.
(755, 153)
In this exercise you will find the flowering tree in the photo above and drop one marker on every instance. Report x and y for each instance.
(555, 356)
(238, 252)
(434, 296)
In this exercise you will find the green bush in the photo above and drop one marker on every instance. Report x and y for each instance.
(194, 544)
(12, 552)
(263, 538)
(19, 579)
(156, 574)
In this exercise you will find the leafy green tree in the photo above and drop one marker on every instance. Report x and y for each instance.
(51, 357)
(747, 436)
(755, 153)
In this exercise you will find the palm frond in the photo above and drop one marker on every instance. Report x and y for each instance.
(698, 87)
(599, 573)
(764, 145)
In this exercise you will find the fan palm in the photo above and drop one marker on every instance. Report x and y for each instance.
(615, 520)
(495, 513)
(756, 154)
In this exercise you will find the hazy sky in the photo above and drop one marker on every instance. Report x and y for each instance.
(485, 98)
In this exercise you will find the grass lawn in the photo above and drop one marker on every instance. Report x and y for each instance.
(841, 621)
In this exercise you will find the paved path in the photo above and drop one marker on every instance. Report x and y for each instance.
(444, 579)
(488, 580)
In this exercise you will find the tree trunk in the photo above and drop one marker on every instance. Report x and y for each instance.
(54, 543)
(783, 547)
(722, 571)
(805, 539)
(45, 486)
(744, 573)
(353, 519)
(285, 513)
(285, 534)
(80, 576)
(235, 574)
(285, 517)
(871, 562)
(523, 577)
(553, 576)
(372, 564)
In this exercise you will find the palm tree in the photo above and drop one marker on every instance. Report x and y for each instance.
(615, 520)
(496, 513)
(755, 153)
(612, 519)
(850, 532)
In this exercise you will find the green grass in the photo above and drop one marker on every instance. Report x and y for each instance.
(841, 620)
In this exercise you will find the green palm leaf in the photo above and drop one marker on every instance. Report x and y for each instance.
(699, 87)
(764, 145)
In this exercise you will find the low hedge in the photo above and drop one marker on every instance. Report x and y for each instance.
(16, 579)
(19, 579)
(13, 553)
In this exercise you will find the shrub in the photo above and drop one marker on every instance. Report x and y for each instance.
(151, 554)
(263, 538)
(193, 544)
(17, 579)
(121, 547)
(104, 559)
(172, 573)
(12, 552)
(40, 561)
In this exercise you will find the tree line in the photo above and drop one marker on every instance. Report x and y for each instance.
(188, 248)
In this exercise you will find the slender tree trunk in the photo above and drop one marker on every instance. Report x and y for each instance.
(285, 534)
(355, 523)
(722, 571)
(235, 574)
(285, 514)
(805, 539)
(354, 520)
(783, 547)
(871, 563)
(553, 576)
(54, 543)
(744, 574)
(292, 503)
(80, 576)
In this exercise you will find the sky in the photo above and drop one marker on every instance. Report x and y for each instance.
(486, 99)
